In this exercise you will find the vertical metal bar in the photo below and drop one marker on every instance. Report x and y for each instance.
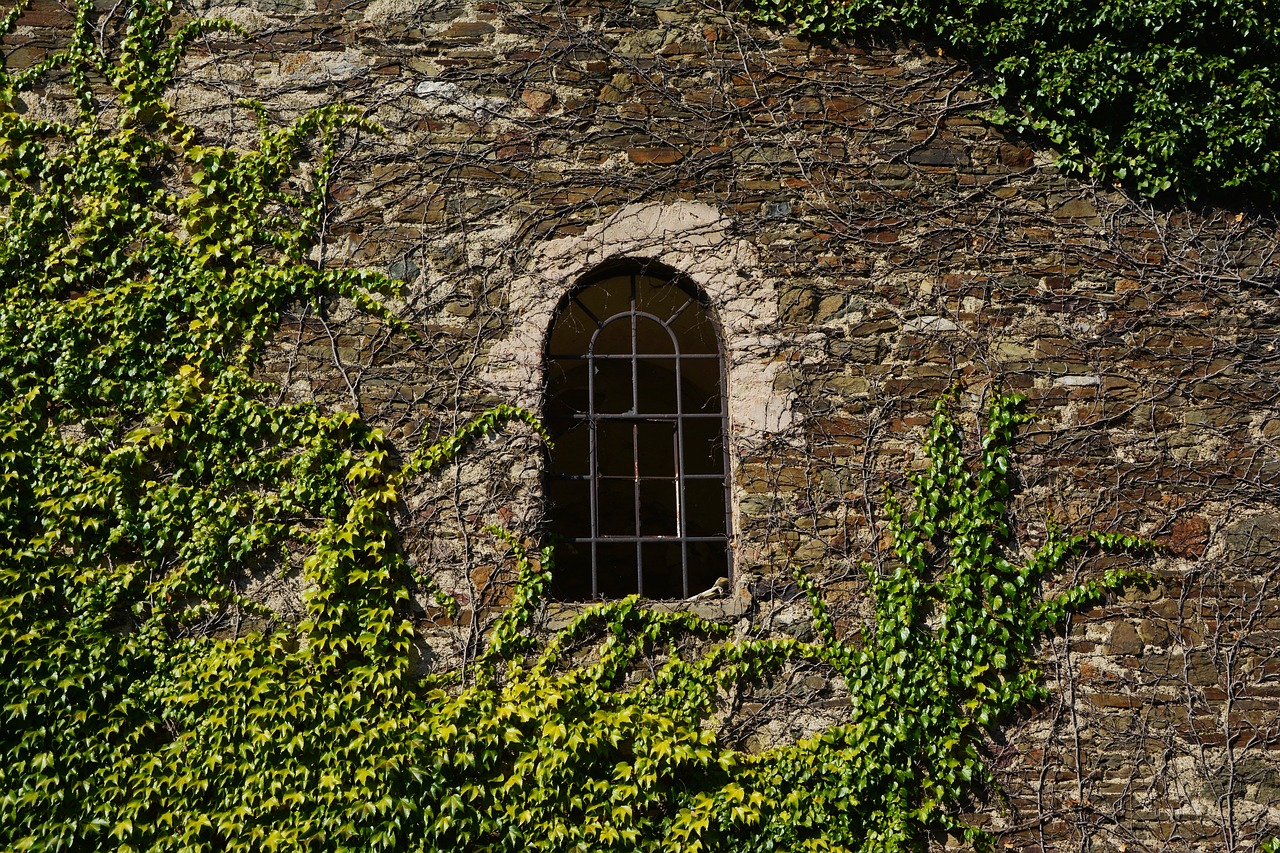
(635, 492)
(681, 521)
(635, 380)
(635, 429)
(593, 469)
(724, 451)
(679, 472)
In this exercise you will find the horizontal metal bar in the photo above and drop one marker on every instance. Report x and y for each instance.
(645, 356)
(642, 539)
(628, 477)
(628, 416)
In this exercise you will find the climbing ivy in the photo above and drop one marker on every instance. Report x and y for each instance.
(147, 473)
(1172, 97)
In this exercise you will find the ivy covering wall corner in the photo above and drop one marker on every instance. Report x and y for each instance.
(1172, 98)
(142, 466)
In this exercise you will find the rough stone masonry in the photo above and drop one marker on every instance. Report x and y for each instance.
(866, 241)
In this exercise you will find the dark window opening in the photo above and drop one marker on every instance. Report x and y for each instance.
(638, 484)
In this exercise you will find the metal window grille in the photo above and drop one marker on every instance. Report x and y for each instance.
(638, 481)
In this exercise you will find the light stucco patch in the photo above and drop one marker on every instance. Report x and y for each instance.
(697, 241)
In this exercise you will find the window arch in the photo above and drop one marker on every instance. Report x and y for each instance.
(638, 483)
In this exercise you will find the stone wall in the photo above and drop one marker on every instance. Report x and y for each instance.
(867, 241)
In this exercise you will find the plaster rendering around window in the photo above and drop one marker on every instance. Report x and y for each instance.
(696, 243)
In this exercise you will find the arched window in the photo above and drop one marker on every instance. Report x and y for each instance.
(638, 481)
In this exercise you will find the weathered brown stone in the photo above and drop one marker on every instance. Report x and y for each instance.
(467, 30)
(655, 156)
(538, 101)
(939, 156)
(1189, 537)
(1124, 640)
